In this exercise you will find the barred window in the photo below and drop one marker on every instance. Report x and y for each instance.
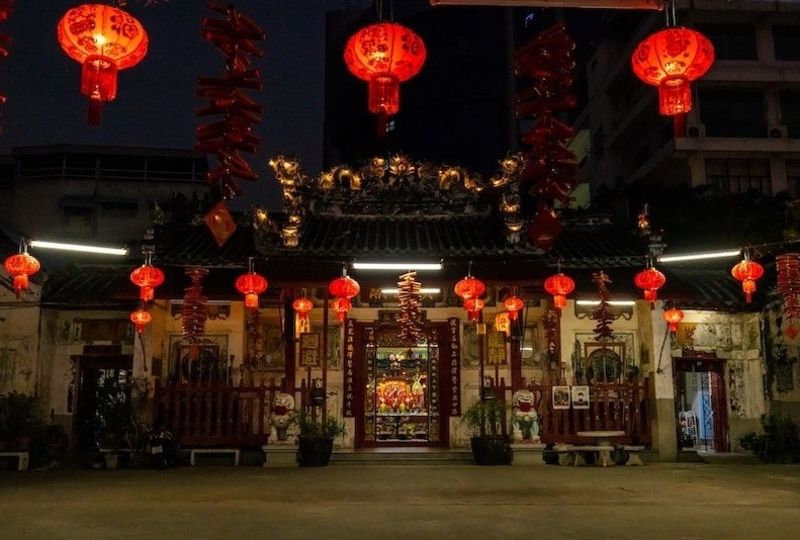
(739, 176)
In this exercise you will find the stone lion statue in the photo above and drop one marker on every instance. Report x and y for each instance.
(525, 418)
(281, 416)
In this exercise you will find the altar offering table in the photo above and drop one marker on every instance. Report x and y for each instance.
(603, 445)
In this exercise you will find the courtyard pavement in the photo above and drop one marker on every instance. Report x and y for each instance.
(405, 502)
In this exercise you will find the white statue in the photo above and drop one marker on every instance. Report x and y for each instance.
(281, 416)
(526, 419)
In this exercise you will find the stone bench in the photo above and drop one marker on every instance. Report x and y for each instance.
(196, 451)
(603, 454)
(633, 452)
(22, 459)
(566, 454)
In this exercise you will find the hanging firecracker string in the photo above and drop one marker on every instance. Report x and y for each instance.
(787, 267)
(602, 315)
(195, 311)
(235, 36)
(409, 299)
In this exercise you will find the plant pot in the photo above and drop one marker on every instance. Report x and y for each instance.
(488, 450)
(112, 460)
(314, 451)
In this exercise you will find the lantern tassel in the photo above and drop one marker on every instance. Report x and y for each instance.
(95, 110)
(381, 124)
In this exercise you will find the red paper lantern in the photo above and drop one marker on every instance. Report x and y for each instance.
(384, 54)
(650, 280)
(20, 267)
(140, 318)
(104, 39)
(302, 306)
(344, 287)
(513, 304)
(342, 306)
(251, 285)
(747, 272)
(559, 286)
(473, 307)
(673, 316)
(470, 287)
(670, 59)
(147, 277)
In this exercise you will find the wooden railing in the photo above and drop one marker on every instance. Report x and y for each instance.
(208, 415)
(612, 407)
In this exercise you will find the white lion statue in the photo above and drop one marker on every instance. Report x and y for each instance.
(281, 416)
(525, 419)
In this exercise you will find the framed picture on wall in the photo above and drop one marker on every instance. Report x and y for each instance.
(273, 358)
(531, 356)
(580, 397)
(561, 397)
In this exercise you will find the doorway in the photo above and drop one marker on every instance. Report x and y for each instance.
(98, 376)
(701, 404)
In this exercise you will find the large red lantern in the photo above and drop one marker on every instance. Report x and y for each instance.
(673, 316)
(470, 287)
(342, 306)
(747, 272)
(344, 287)
(251, 285)
(140, 318)
(20, 267)
(559, 286)
(104, 39)
(670, 59)
(513, 305)
(473, 307)
(384, 54)
(147, 277)
(302, 306)
(650, 280)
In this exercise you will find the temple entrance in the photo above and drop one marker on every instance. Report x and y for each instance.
(400, 389)
(99, 377)
(701, 404)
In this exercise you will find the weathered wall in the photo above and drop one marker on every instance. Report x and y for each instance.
(19, 341)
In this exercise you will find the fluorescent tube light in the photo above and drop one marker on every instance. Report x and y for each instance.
(396, 266)
(700, 256)
(423, 290)
(80, 248)
(606, 4)
(610, 302)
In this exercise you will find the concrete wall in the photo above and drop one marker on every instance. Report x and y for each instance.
(19, 341)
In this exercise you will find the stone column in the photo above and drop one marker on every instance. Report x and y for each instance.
(662, 390)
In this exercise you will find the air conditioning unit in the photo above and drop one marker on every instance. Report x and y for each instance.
(599, 4)
(695, 130)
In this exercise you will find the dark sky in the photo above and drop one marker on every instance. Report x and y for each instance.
(155, 102)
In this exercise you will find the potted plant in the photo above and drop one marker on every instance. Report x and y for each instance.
(485, 419)
(117, 425)
(19, 420)
(315, 443)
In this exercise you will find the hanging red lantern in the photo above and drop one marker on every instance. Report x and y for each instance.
(344, 287)
(747, 272)
(251, 285)
(302, 306)
(384, 54)
(20, 267)
(470, 287)
(671, 59)
(650, 280)
(559, 286)
(147, 277)
(513, 305)
(140, 318)
(473, 307)
(104, 39)
(673, 316)
(342, 306)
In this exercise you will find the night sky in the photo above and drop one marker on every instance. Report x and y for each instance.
(155, 101)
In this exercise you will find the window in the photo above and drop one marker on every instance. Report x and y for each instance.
(790, 111)
(732, 41)
(739, 176)
(733, 112)
(787, 42)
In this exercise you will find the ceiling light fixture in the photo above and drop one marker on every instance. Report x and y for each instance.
(589, 4)
(402, 266)
(80, 248)
(700, 256)
(610, 302)
(423, 290)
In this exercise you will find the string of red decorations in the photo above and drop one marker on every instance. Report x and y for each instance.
(147, 277)
(748, 272)
(650, 280)
(251, 285)
(21, 266)
(602, 315)
(195, 311)
(547, 61)
(384, 54)
(343, 289)
(409, 301)
(787, 267)
(104, 40)
(6, 7)
(235, 37)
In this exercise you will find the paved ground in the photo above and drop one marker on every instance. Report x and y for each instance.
(405, 502)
